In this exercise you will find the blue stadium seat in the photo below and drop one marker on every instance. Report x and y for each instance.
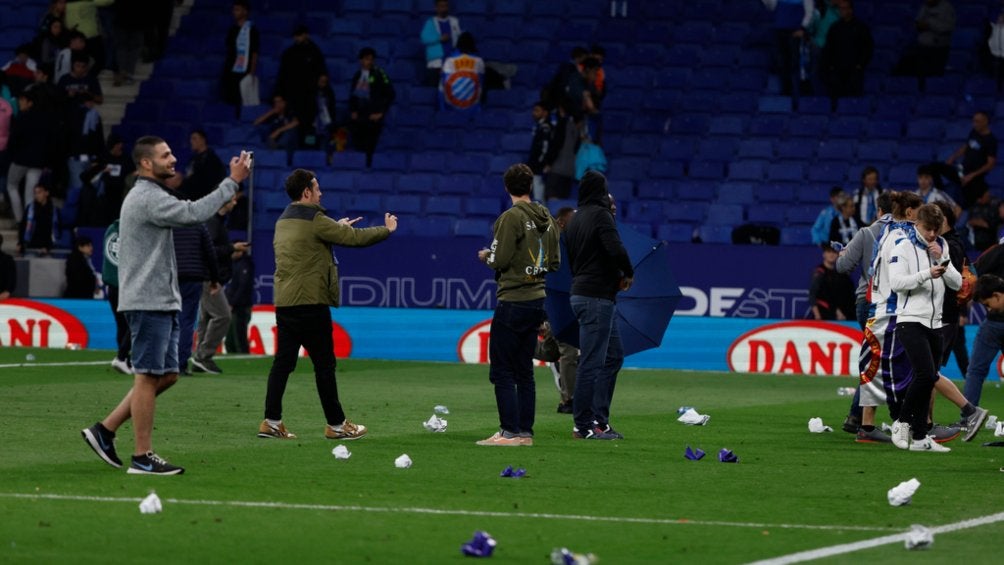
(744, 103)
(837, 150)
(727, 125)
(792, 149)
(751, 170)
(828, 173)
(685, 211)
(801, 214)
(876, 151)
(884, 129)
(667, 170)
(935, 106)
(350, 160)
(706, 169)
(383, 183)
(418, 183)
(428, 162)
(781, 192)
(903, 177)
(715, 233)
(757, 148)
(767, 126)
(458, 184)
(676, 148)
(643, 210)
(639, 145)
(675, 232)
(468, 163)
(482, 206)
(721, 149)
(309, 159)
(340, 182)
(853, 107)
(796, 235)
(428, 227)
(443, 205)
(786, 171)
(930, 129)
(473, 227)
(765, 214)
(808, 126)
(688, 125)
(397, 7)
(919, 152)
(366, 204)
(774, 104)
(752, 79)
(815, 105)
(847, 127)
(741, 193)
(656, 189)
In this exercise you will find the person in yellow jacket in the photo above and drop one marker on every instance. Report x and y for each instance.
(524, 249)
(306, 286)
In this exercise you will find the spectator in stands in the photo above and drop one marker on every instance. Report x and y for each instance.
(951, 310)
(554, 92)
(8, 273)
(205, 169)
(979, 156)
(866, 197)
(371, 96)
(931, 195)
(55, 11)
(47, 96)
(104, 185)
(86, 138)
(197, 267)
(560, 156)
(985, 218)
(539, 146)
(82, 281)
(831, 294)
(6, 116)
(242, 44)
(791, 18)
(82, 15)
(241, 297)
(78, 82)
(463, 77)
(110, 276)
(994, 51)
(597, 91)
(439, 35)
(821, 227)
(928, 55)
(847, 53)
(49, 43)
(39, 230)
(301, 65)
(214, 311)
(20, 70)
(844, 225)
(278, 127)
(580, 97)
(30, 138)
(132, 23)
(568, 354)
(826, 13)
(326, 116)
(76, 46)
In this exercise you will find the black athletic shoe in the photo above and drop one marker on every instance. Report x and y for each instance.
(205, 366)
(152, 464)
(102, 442)
(851, 424)
(595, 433)
(608, 430)
(564, 408)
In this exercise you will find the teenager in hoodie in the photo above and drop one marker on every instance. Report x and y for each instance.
(524, 249)
(919, 272)
(600, 268)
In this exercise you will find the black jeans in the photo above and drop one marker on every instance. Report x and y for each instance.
(122, 336)
(310, 326)
(923, 348)
(511, 345)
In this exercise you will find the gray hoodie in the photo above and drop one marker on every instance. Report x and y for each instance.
(859, 251)
(148, 273)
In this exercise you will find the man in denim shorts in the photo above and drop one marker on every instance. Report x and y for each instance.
(149, 297)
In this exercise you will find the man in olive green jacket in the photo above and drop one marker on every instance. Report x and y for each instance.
(306, 285)
(525, 248)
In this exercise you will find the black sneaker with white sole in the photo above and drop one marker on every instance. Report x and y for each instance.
(102, 441)
(152, 464)
(205, 366)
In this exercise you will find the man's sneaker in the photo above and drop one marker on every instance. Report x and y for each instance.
(608, 430)
(205, 366)
(928, 444)
(266, 430)
(525, 439)
(121, 366)
(565, 408)
(102, 442)
(901, 434)
(502, 439)
(874, 436)
(152, 464)
(944, 434)
(851, 424)
(346, 431)
(594, 433)
(974, 422)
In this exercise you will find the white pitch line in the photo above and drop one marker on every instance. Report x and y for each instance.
(447, 512)
(63, 364)
(841, 549)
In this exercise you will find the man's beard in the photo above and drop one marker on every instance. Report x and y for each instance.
(162, 173)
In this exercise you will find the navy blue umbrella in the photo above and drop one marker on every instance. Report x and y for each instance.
(643, 312)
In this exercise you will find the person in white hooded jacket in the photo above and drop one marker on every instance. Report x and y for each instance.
(919, 270)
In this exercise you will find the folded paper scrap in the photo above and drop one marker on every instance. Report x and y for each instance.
(403, 462)
(481, 545)
(919, 537)
(435, 424)
(341, 452)
(564, 556)
(726, 456)
(816, 426)
(512, 473)
(999, 429)
(693, 454)
(692, 418)
(151, 504)
(991, 422)
(440, 409)
(901, 494)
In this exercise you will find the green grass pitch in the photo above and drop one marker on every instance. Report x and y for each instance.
(631, 501)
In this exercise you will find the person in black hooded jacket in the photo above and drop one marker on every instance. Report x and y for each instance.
(600, 269)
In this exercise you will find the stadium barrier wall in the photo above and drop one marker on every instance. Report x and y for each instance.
(693, 343)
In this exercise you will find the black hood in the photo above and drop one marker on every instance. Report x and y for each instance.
(593, 189)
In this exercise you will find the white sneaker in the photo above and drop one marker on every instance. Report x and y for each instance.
(900, 434)
(928, 444)
(121, 366)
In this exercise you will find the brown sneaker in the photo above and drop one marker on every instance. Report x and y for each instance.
(526, 440)
(346, 431)
(266, 430)
(499, 438)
